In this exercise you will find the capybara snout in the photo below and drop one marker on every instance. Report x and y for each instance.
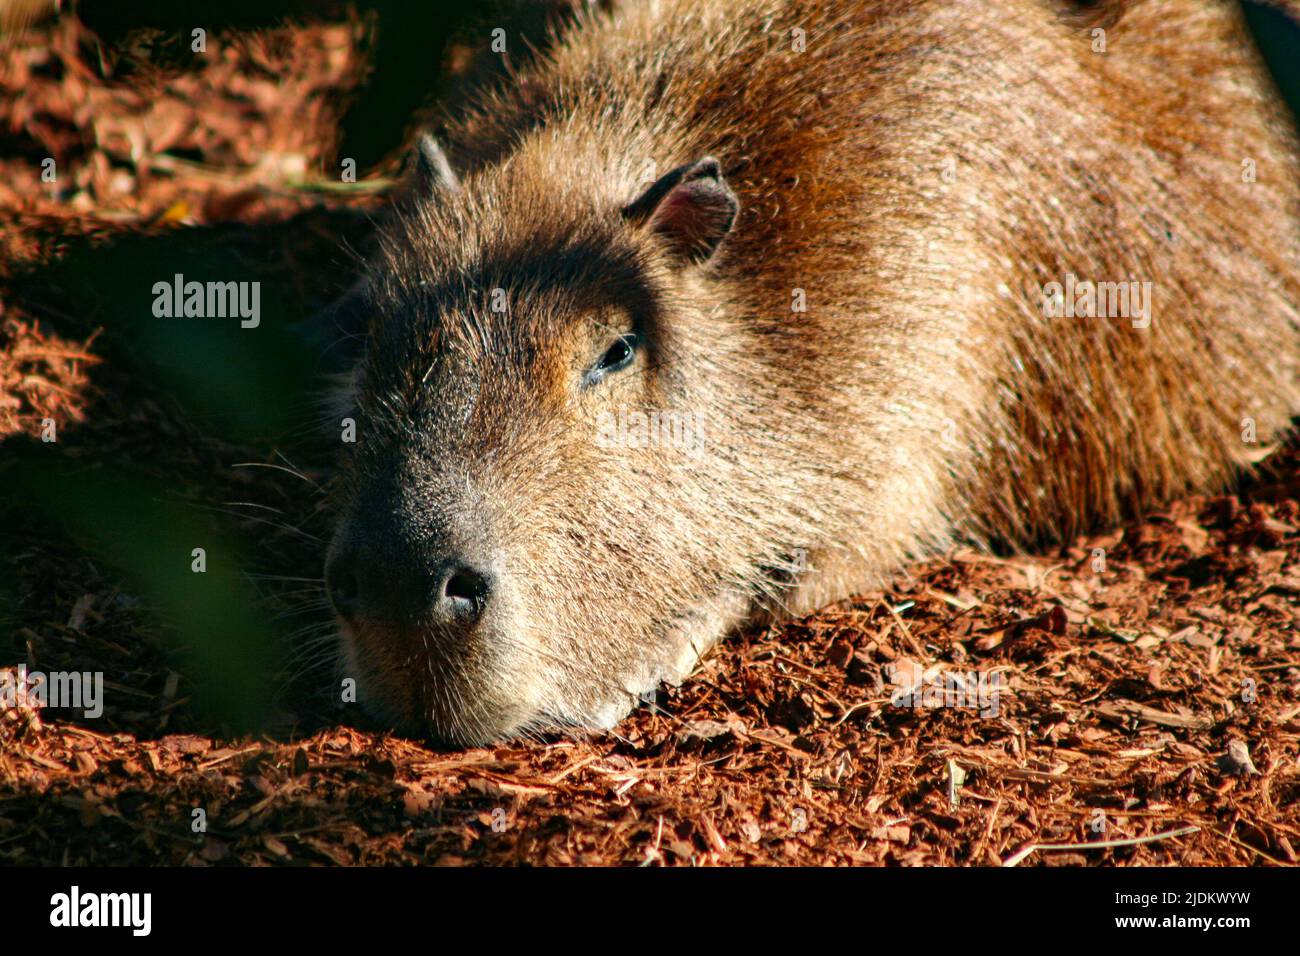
(387, 570)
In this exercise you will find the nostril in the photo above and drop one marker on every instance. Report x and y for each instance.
(341, 584)
(465, 590)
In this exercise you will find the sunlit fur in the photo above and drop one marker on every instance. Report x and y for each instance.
(921, 398)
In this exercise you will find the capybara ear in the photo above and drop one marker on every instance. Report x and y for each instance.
(430, 170)
(691, 207)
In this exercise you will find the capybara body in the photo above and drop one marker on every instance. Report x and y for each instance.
(732, 306)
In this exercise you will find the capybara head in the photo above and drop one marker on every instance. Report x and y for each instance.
(529, 529)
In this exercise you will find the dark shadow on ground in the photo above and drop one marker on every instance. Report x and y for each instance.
(184, 409)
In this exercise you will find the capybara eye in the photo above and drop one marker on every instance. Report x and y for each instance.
(617, 356)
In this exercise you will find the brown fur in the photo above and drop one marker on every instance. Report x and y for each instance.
(923, 397)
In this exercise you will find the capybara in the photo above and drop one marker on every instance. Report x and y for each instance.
(724, 309)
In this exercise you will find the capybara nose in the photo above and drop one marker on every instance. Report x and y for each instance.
(404, 592)
(461, 593)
